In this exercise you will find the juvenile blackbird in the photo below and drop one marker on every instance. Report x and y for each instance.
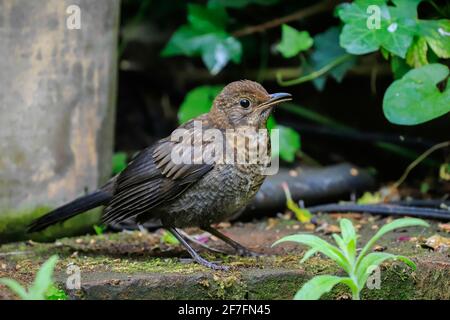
(186, 194)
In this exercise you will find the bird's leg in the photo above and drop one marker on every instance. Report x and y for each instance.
(194, 254)
(240, 249)
(201, 244)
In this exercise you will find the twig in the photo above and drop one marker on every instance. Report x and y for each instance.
(300, 14)
(413, 164)
(315, 74)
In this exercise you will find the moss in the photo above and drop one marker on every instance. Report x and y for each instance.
(227, 285)
(13, 225)
(122, 266)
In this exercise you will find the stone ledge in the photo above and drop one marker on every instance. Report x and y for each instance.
(139, 266)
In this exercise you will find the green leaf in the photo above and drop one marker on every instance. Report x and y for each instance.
(53, 293)
(317, 286)
(302, 215)
(319, 245)
(308, 254)
(15, 287)
(374, 259)
(43, 279)
(205, 36)
(369, 198)
(289, 143)
(212, 18)
(99, 230)
(437, 35)
(415, 99)
(169, 238)
(220, 51)
(119, 162)
(347, 230)
(349, 239)
(395, 30)
(326, 50)
(417, 53)
(271, 123)
(293, 41)
(197, 102)
(399, 223)
(238, 4)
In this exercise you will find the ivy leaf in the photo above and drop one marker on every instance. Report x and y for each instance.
(417, 53)
(327, 49)
(293, 41)
(437, 35)
(289, 143)
(238, 4)
(415, 98)
(197, 102)
(395, 31)
(205, 36)
(220, 51)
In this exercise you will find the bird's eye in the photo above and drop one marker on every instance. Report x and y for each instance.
(245, 103)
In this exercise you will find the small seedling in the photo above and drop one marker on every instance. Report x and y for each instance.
(358, 268)
(42, 287)
(99, 230)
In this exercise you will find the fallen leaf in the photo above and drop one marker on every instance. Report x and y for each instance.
(438, 243)
(310, 226)
(328, 228)
(356, 216)
(379, 248)
(444, 227)
(271, 222)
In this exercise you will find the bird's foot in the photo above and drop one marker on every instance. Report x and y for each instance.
(210, 265)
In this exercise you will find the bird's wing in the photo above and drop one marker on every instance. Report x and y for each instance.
(151, 179)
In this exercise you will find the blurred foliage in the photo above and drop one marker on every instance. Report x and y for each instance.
(293, 41)
(119, 162)
(42, 287)
(390, 27)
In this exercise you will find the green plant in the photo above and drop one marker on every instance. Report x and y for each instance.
(42, 287)
(357, 267)
(119, 162)
(99, 230)
(389, 28)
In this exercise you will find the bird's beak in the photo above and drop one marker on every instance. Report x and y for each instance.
(276, 98)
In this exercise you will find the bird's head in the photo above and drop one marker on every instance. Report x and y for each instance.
(245, 103)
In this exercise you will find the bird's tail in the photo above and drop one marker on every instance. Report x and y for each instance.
(97, 198)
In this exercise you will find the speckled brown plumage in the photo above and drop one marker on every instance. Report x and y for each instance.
(181, 195)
